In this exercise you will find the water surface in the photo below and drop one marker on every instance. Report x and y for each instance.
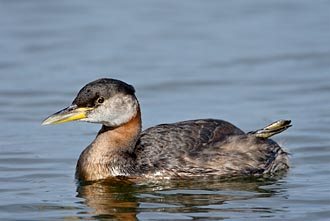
(248, 62)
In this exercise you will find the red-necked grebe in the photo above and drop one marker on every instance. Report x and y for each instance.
(205, 147)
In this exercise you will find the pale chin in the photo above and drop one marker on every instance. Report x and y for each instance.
(119, 120)
(116, 111)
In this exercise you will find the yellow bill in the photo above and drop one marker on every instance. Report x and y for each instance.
(70, 113)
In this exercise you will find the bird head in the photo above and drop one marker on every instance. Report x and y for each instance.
(106, 101)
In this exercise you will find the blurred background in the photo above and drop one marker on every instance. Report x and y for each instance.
(248, 62)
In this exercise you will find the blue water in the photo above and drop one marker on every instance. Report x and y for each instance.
(248, 62)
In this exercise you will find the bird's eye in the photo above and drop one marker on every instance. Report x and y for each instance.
(100, 100)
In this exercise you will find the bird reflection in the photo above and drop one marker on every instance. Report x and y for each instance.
(111, 198)
(124, 199)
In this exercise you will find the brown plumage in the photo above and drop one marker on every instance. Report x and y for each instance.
(205, 147)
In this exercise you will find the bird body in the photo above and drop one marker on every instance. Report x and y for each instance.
(205, 147)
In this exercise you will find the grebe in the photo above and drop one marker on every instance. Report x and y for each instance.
(205, 147)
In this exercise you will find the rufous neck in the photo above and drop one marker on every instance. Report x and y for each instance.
(111, 152)
(121, 138)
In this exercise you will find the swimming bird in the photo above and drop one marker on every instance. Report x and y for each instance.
(203, 147)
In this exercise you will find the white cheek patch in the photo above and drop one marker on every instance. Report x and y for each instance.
(115, 111)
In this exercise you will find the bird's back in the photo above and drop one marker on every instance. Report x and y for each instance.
(205, 147)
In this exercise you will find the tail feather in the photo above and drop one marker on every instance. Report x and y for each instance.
(272, 129)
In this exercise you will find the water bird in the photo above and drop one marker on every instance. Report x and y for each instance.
(193, 148)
